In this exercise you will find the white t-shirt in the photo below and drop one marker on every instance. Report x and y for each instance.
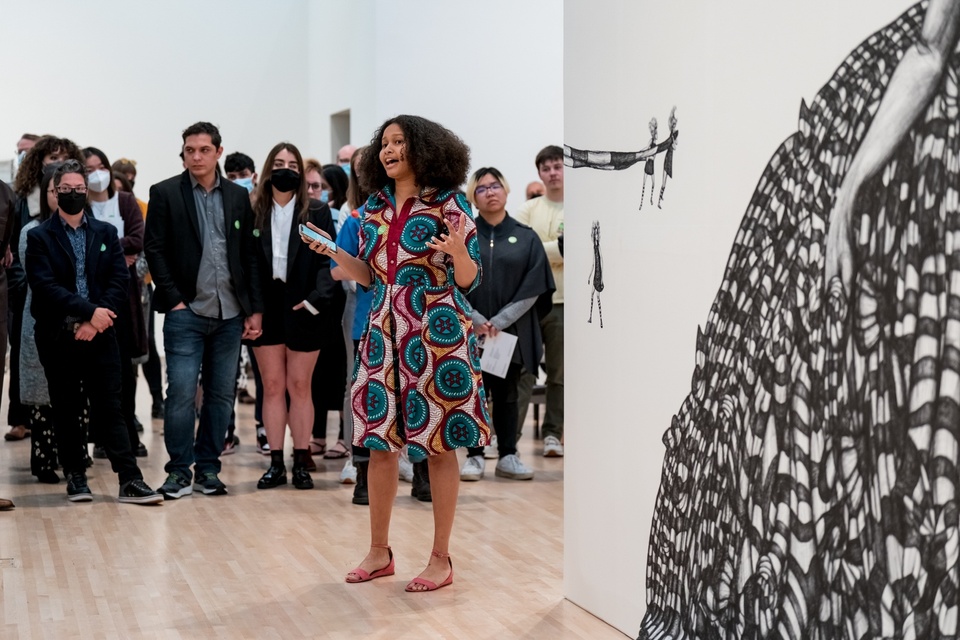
(109, 211)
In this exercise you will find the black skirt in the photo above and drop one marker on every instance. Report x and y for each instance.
(298, 330)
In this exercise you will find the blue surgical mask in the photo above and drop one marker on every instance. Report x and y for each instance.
(346, 167)
(325, 196)
(245, 182)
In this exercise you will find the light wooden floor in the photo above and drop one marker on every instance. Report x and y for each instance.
(270, 564)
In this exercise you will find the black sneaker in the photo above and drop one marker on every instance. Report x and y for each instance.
(77, 489)
(137, 424)
(175, 486)
(262, 445)
(100, 453)
(209, 484)
(141, 451)
(137, 492)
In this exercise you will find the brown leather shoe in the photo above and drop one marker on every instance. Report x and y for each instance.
(17, 433)
(6, 505)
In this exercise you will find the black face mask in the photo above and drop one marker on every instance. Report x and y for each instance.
(285, 180)
(71, 203)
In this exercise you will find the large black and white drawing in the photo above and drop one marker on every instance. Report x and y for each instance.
(810, 483)
(620, 160)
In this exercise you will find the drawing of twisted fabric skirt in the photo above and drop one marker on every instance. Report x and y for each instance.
(809, 488)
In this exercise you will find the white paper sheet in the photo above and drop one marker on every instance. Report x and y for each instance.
(497, 353)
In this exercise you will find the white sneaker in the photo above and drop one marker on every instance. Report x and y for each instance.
(511, 467)
(406, 467)
(552, 447)
(472, 469)
(491, 451)
(349, 473)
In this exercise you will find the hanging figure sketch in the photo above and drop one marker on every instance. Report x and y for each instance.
(620, 160)
(810, 486)
(596, 273)
(667, 158)
(648, 168)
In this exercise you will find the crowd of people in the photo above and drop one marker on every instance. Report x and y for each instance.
(365, 286)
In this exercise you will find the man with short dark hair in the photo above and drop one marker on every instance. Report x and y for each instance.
(201, 248)
(545, 216)
(78, 275)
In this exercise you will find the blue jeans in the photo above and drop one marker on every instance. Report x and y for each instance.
(191, 342)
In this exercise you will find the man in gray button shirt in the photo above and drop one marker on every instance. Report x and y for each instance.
(201, 248)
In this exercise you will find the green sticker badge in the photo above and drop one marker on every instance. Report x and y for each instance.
(381, 230)
(256, 232)
(103, 247)
(512, 239)
(236, 224)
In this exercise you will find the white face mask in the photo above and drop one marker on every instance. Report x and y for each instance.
(98, 181)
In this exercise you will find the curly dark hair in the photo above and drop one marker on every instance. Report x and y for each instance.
(436, 155)
(31, 171)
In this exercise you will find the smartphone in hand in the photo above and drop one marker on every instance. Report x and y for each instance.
(311, 235)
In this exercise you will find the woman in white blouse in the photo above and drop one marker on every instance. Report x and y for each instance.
(298, 293)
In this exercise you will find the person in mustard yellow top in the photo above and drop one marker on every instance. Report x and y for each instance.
(545, 216)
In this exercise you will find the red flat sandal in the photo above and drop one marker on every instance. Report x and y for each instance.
(359, 575)
(428, 585)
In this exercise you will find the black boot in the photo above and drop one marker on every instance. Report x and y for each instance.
(360, 493)
(421, 482)
(276, 475)
(301, 477)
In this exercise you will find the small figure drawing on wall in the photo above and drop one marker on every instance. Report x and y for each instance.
(620, 160)
(667, 158)
(596, 274)
(649, 170)
(811, 476)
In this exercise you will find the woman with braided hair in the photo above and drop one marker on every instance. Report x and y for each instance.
(810, 483)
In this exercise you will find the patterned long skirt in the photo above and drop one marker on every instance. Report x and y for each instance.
(810, 483)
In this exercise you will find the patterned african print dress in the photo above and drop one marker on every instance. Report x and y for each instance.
(417, 379)
(809, 488)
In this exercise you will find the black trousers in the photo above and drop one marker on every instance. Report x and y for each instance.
(503, 392)
(17, 413)
(151, 368)
(70, 364)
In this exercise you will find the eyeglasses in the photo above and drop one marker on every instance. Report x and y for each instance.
(492, 188)
(315, 186)
(65, 190)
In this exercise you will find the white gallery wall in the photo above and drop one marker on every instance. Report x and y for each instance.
(129, 77)
(491, 73)
(736, 71)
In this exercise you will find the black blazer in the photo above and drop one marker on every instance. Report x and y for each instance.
(52, 275)
(173, 245)
(308, 273)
